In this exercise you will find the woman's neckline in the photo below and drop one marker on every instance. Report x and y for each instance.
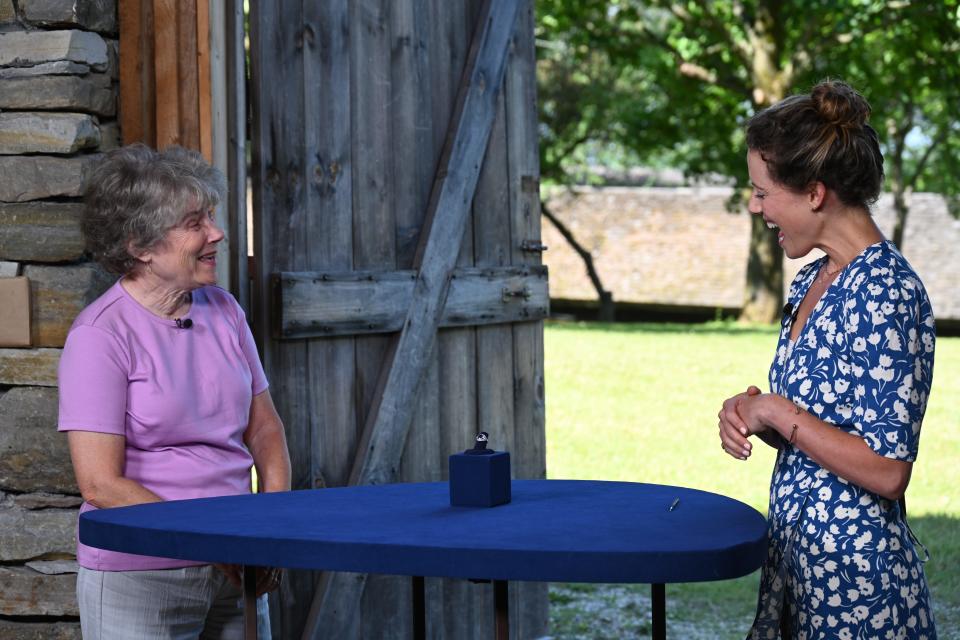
(164, 319)
(812, 279)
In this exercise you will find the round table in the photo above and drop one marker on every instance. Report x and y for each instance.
(552, 530)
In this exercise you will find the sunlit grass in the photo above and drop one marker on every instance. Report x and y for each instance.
(639, 402)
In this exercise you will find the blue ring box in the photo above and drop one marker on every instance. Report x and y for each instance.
(480, 480)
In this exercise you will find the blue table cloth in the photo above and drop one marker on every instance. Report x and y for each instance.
(553, 530)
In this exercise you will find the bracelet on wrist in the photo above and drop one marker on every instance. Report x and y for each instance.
(794, 427)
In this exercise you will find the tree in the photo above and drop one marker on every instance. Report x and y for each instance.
(908, 66)
(584, 112)
(680, 79)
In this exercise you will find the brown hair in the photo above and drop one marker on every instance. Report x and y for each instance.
(821, 137)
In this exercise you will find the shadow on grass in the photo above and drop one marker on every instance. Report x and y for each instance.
(721, 610)
(727, 328)
(940, 533)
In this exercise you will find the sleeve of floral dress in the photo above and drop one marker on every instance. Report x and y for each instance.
(890, 332)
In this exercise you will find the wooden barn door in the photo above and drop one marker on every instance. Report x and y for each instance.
(398, 292)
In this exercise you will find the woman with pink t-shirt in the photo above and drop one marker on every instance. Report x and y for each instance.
(162, 393)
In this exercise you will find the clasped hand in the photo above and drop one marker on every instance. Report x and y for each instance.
(739, 418)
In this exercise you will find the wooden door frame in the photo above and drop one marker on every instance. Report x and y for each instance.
(182, 81)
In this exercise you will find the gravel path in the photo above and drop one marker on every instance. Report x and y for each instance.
(616, 612)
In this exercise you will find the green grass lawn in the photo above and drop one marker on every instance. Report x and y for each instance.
(639, 402)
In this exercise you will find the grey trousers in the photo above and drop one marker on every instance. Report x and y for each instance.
(166, 604)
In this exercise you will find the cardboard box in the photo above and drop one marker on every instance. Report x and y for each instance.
(14, 312)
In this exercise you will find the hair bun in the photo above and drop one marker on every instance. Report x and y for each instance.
(839, 104)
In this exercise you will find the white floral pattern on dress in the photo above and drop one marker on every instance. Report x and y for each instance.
(840, 557)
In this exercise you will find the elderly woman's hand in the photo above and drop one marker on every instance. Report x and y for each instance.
(268, 578)
(734, 431)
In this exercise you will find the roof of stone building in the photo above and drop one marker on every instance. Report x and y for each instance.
(681, 246)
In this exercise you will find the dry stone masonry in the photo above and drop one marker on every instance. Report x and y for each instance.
(31, 132)
(58, 110)
(25, 178)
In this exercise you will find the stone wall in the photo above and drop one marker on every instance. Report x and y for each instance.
(58, 111)
(681, 247)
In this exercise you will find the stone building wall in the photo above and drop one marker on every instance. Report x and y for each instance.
(680, 246)
(58, 104)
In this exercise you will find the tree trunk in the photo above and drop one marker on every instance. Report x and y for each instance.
(901, 209)
(764, 297)
(607, 309)
(898, 183)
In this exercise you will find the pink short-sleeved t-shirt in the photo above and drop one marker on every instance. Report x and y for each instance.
(180, 396)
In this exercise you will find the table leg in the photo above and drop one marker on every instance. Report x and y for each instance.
(658, 611)
(249, 602)
(501, 606)
(419, 609)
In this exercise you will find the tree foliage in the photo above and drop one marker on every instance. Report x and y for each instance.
(910, 66)
(663, 82)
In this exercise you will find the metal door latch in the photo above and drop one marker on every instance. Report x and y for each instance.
(533, 246)
(512, 294)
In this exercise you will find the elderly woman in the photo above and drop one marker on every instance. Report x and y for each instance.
(162, 394)
(849, 384)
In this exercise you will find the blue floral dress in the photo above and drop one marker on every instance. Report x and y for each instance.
(842, 558)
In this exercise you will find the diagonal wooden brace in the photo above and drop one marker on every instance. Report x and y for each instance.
(388, 422)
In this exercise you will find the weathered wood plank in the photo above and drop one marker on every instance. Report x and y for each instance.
(148, 76)
(414, 163)
(492, 231)
(167, 91)
(420, 457)
(278, 195)
(370, 94)
(218, 96)
(281, 244)
(456, 348)
(463, 601)
(527, 599)
(385, 606)
(187, 73)
(523, 163)
(236, 103)
(494, 350)
(320, 304)
(374, 246)
(131, 70)
(308, 227)
(344, 30)
(412, 152)
(204, 105)
(387, 429)
(495, 295)
(329, 199)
